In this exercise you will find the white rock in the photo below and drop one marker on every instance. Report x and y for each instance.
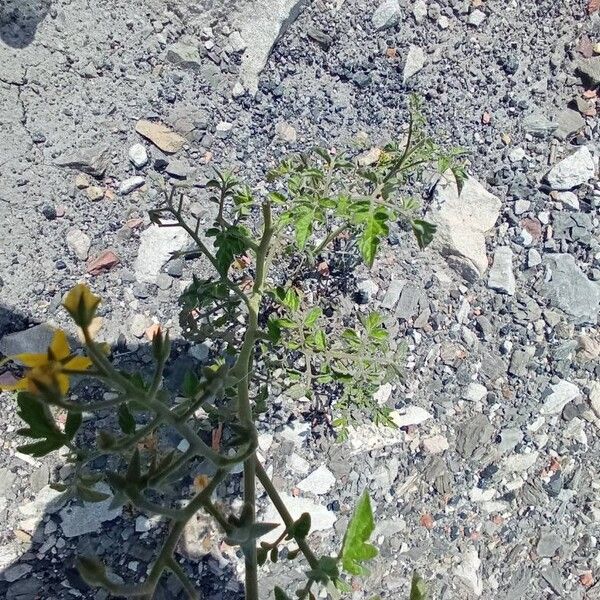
(237, 42)
(476, 18)
(265, 440)
(157, 245)
(468, 572)
(420, 11)
(47, 501)
(130, 184)
(516, 154)
(415, 61)
(261, 23)
(223, 129)
(296, 432)
(410, 415)
(321, 518)
(285, 132)
(562, 393)
(575, 430)
(475, 392)
(443, 22)
(501, 276)
(238, 90)
(298, 464)
(463, 221)
(479, 495)
(568, 199)
(320, 481)
(522, 206)
(138, 155)
(142, 524)
(435, 444)
(387, 14)
(79, 243)
(139, 324)
(594, 397)
(382, 395)
(573, 171)
(519, 463)
(534, 258)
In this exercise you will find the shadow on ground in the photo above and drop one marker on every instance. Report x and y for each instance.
(19, 20)
(44, 565)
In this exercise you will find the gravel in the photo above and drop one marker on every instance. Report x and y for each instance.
(489, 485)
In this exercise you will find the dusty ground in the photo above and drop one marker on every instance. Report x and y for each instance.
(495, 493)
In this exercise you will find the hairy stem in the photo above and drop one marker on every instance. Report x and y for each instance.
(288, 520)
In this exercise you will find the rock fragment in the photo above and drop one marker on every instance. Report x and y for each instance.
(161, 136)
(568, 288)
(561, 394)
(94, 161)
(501, 276)
(138, 155)
(463, 221)
(410, 415)
(415, 61)
(157, 244)
(79, 242)
(321, 518)
(572, 171)
(79, 520)
(319, 482)
(263, 22)
(130, 184)
(386, 15)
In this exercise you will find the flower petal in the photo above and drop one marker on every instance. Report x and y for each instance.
(29, 359)
(18, 386)
(60, 345)
(63, 382)
(78, 363)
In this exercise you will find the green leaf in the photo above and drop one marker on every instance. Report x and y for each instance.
(304, 221)
(320, 340)
(126, 420)
(355, 548)
(73, 423)
(312, 316)
(423, 231)
(134, 470)
(39, 449)
(38, 416)
(191, 384)
(418, 590)
(274, 555)
(280, 594)
(301, 527)
(90, 495)
(261, 556)
(92, 570)
(230, 242)
(291, 300)
(373, 221)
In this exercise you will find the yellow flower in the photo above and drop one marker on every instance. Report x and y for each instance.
(49, 371)
(81, 304)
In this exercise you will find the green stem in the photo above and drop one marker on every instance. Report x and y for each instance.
(188, 586)
(288, 520)
(332, 235)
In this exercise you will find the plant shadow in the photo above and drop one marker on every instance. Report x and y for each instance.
(37, 558)
(19, 20)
